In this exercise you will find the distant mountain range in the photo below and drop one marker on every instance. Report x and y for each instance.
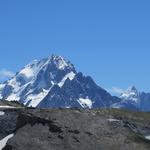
(54, 82)
(133, 99)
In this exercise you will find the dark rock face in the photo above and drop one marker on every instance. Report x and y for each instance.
(72, 129)
(8, 123)
(73, 90)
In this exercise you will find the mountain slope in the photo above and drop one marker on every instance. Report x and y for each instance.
(72, 129)
(79, 92)
(54, 82)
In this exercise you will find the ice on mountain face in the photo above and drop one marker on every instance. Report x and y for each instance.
(70, 76)
(85, 103)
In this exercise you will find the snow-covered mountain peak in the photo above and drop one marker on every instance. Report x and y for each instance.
(32, 83)
(31, 70)
(60, 62)
(132, 89)
(131, 94)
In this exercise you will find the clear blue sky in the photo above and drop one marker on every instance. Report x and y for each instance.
(106, 39)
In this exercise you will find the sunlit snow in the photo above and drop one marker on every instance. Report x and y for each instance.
(85, 103)
(7, 106)
(22, 86)
(113, 120)
(28, 72)
(147, 137)
(3, 142)
(36, 98)
(70, 75)
(130, 94)
(1, 96)
(13, 97)
(2, 86)
(60, 62)
(2, 113)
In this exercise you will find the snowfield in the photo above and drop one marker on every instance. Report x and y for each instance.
(147, 137)
(113, 120)
(3, 142)
(69, 76)
(85, 103)
(6, 106)
(2, 113)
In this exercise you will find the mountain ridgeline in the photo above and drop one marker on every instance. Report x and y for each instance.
(53, 82)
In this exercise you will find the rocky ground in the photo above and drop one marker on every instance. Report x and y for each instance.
(74, 129)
